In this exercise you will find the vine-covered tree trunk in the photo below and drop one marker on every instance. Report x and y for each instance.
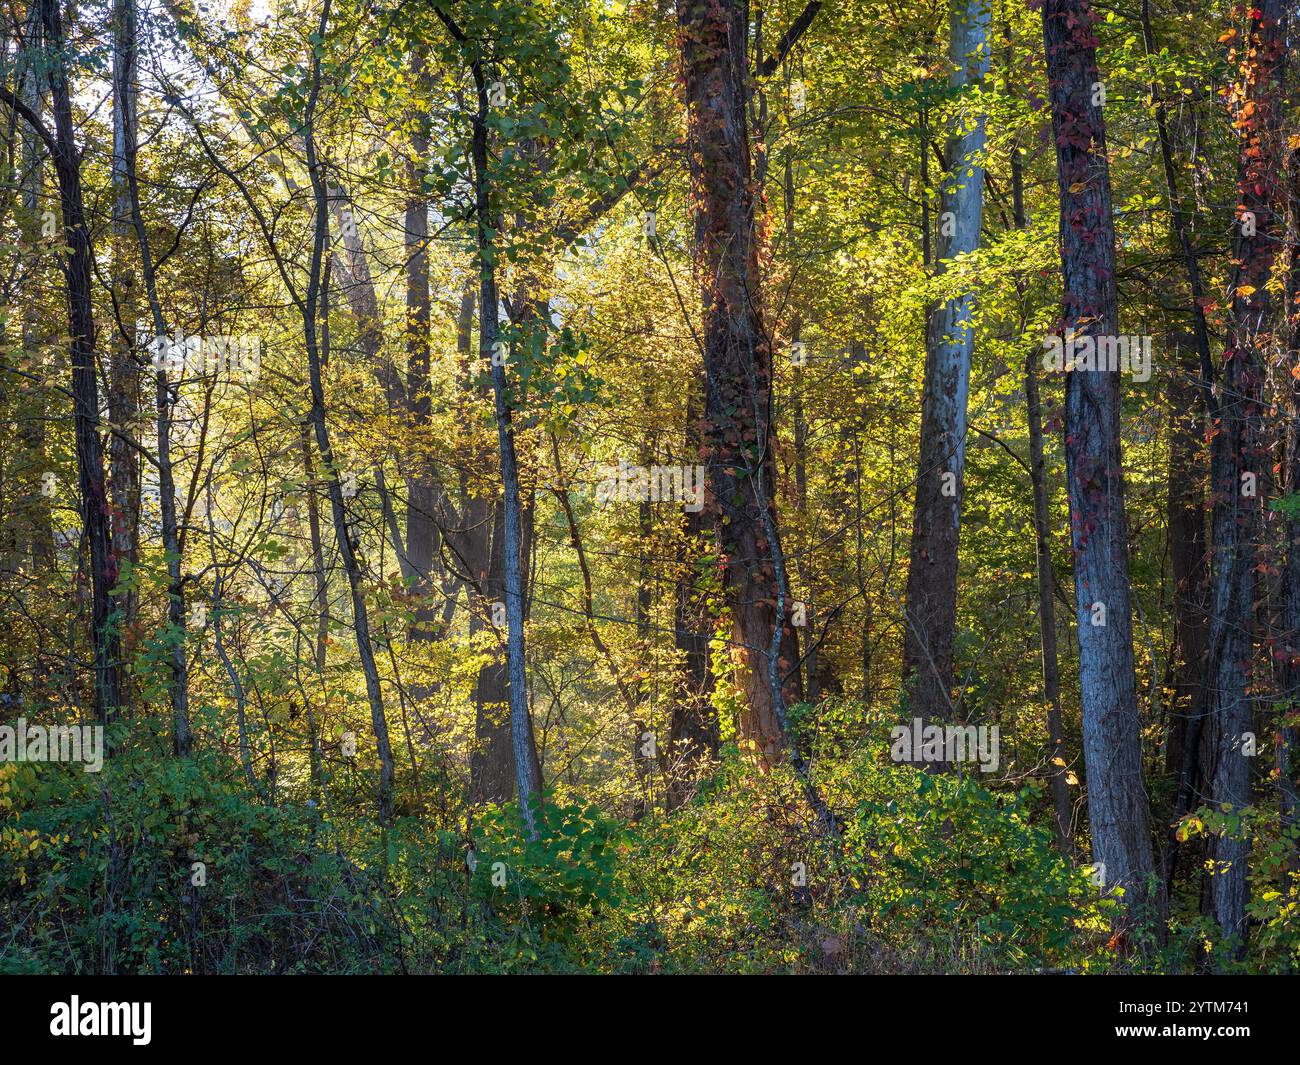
(1287, 652)
(1118, 813)
(738, 446)
(1238, 467)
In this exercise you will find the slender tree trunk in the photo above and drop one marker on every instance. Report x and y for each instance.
(31, 431)
(236, 685)
(124, 374)
(1047, 612)
(1043, 562)
(693, 729)
(126, 136)
(420, 528)
(1117, 803)
(812, 688)
(320, 586)
(528, 781)
(1186, 510)
(316, 418)
(320, 600)
(931, 604)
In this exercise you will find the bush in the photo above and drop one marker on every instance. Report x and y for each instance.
(162, 866)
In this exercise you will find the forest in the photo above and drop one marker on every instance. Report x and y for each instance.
(649, 487)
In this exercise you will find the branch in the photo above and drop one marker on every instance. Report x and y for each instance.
(594, 211)
(791, 37)
(450, 23)
(30, 117)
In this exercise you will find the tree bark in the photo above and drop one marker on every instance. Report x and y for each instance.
(31, 432)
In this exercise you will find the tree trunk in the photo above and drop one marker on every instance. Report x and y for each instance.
(31, 432)
(124, 109)
(1238, 467)
(320, 597)
(528, 780)
(420, 529)
(693, 729)
(123, 372)
(316, 418)
(104, 564)
(931, 604)
(1186, 510)
(1117, 802)
(738, 369)
(1288, 651)
(1043, 563)
(812, 687)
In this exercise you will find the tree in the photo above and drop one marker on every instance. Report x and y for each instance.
(124, 373)
(125, 147)
(737, 351)
(931, 605)
(104, 566)
(1118, 815)
(528, 779)
(1236, 459)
